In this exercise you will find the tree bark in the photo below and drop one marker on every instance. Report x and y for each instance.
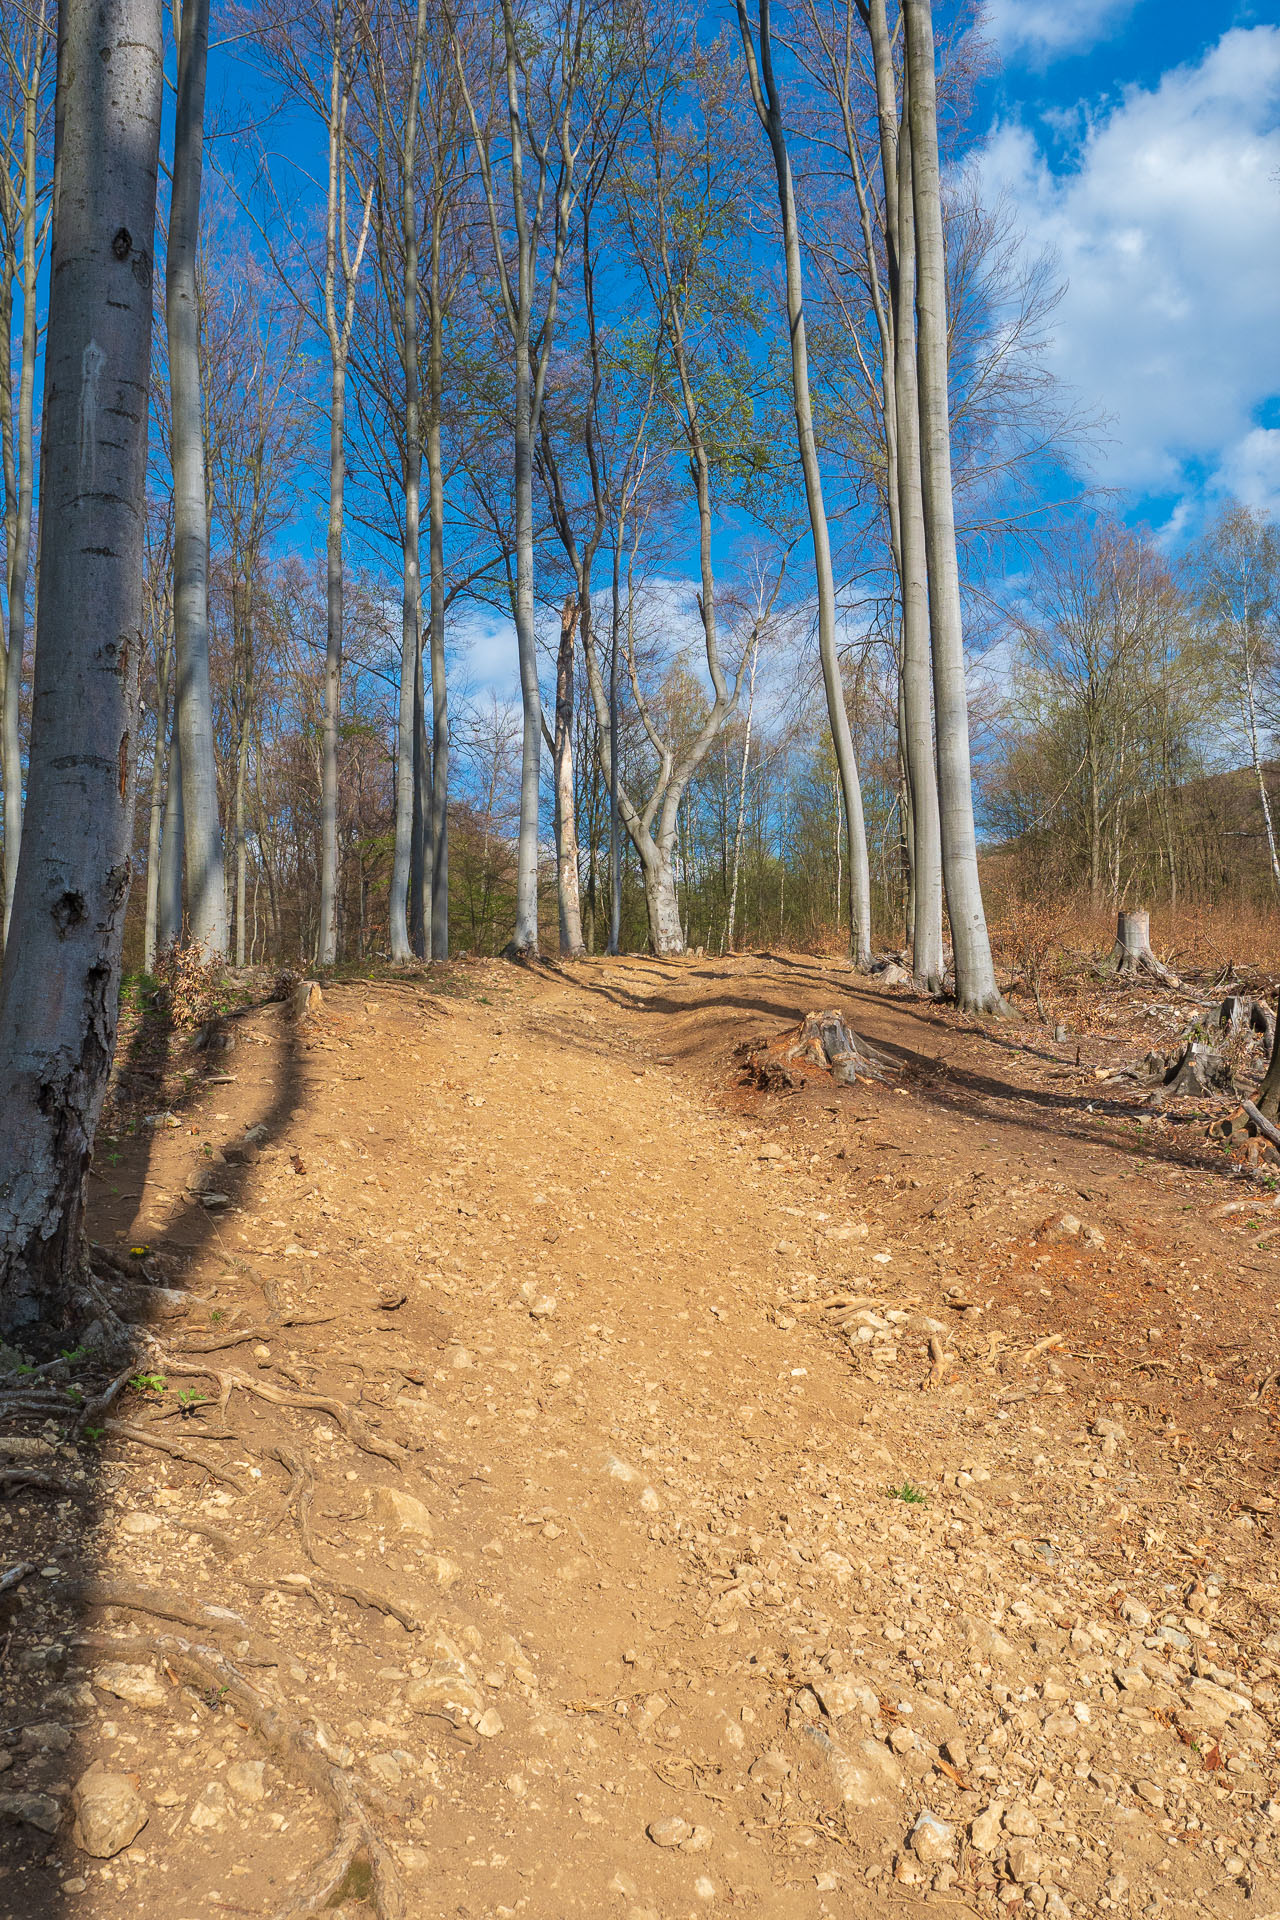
(439, 946)
(155, 814)
(731, 920)
(570, 904)
(1268, 1100)
(206, 887)
(169, 896)
(338, 325)
(926, 849)
(976, 989)
(20, 547)
(411, 595)
(60, 981)
(769, 109)
(666, 935)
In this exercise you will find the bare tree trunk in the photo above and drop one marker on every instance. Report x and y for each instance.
(571, 945)
(615, 821)
(156, 811)
(411, 599)
(1268, 1100)
(926, 850)
(206, 887)
(420, 859)
(769, 109)
(338, 325)
(60, 980)
(439, 948)
(169, 896)
(327, 943)
(742, 798)
(1251, 713)
(20, 548)
(976, 989)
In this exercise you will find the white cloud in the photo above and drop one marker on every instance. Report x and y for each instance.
(1038, 31)
(1166, 224)
(1251, 470)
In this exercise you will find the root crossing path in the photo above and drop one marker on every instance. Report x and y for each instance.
(587, 1485)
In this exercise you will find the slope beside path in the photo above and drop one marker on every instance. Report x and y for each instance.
(639, 1495)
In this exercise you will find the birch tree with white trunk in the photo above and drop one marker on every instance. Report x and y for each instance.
(59, 985)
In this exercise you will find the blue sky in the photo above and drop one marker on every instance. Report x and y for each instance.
(1140, 141)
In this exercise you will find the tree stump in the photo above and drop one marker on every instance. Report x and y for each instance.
(306, 999)
(1240, 1013)
(1268, 1101)
(1198, 1070)
(1132, 951)
(821, 1044)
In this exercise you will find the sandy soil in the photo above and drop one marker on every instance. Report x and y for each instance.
(620, 1491)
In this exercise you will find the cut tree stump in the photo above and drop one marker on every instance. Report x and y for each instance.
(821, 1044)
(1132, 951)
(1239, 1013)
(1199, 1070)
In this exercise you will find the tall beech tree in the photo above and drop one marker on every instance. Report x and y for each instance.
(202, 826)
(767, 101)
(59, 986)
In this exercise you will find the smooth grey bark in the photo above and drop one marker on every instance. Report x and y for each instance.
(206, 889)
(439, 822)
(568, 893)
(169, 896)
(59, 987)
(155, 811)
(765, 96)
(411, 564)
(530, 372)
(338, 325)
(20, 496)
(976, 989)
(926, 848)
(742, 797)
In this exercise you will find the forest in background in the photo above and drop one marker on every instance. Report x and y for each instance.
(358, 292)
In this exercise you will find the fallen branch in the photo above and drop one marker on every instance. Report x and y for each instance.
(1265, 1127)
(16, 1575)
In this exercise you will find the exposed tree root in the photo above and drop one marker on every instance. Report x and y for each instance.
(302, 1489)
(33, 1480)
(103, 1591)
(123, 1430)
(228, 1383)
(95, 1408)
(299, 1747)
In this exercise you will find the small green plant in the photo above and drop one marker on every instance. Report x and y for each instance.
(217, 1315)
(72, 1354)
(93, 1434)
(148, 1383)
(909, 1493)
(190, 1403)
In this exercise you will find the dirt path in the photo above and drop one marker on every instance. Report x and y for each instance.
(682, 1590)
